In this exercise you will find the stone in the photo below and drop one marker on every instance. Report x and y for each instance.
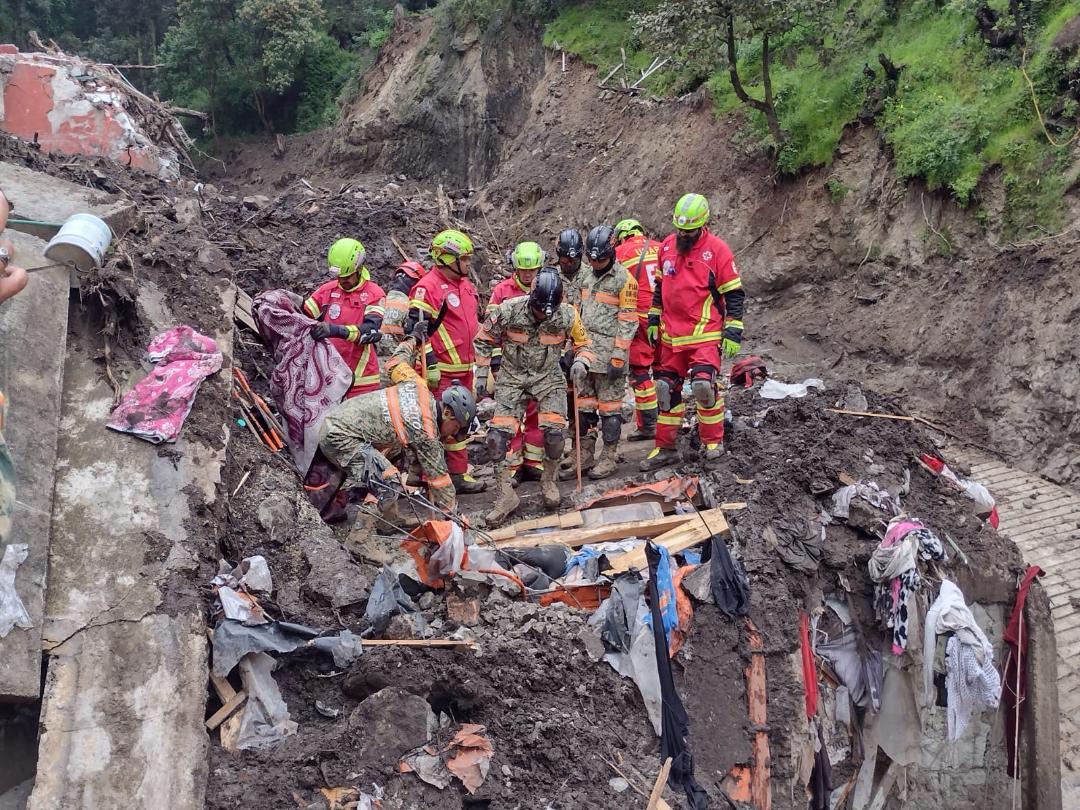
(387, 725)
(698, 583)
(618, 784)
(392, 188)
(277, 515)
(256, 202)
(426, 600)
(463, 607)
(188, 211)
(864, 517)
(212, 258)
(333, 575)
(593, 644)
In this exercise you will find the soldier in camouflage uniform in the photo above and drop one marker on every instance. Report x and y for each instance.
(532, 331)
(609, 312)
(374, 428)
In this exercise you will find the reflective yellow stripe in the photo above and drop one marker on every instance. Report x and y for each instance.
(734, 284)
(733, 322)
(706, 313)
(450, 348)
(451, 446)
(689, 340)
(669, 420)
(710, 417)
(352, 333)
(375, 309)
(424, 305)
(312, 308)
(454, 367)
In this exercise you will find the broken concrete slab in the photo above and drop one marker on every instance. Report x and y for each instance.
(388, 724)
(33, 336)
(44, 200)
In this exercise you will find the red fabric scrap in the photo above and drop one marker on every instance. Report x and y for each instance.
(1016, 638)
(809, 670)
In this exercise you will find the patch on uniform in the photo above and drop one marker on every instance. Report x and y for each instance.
(453, 300)
(419, 293)
(335, 311)
(669, 267)
(363, 298)
(706, 255)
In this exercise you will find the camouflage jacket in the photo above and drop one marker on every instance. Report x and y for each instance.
(531, 349)
(403, 415)
(608, 311)
(571, 294)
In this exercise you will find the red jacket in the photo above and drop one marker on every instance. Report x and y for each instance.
(505, 290)
(453, 342)
(349, 309)
(628, 254)
(690, 313)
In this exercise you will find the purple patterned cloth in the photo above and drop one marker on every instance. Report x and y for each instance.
(309, 376)
(155, 409)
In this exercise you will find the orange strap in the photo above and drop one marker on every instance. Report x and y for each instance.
(393, 402)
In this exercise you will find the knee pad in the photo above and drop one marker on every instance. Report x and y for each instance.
(668, 390)
(588, 420)
(497, 444)
(554, 443)
(611, 427)
(703, 372)
(704, 392)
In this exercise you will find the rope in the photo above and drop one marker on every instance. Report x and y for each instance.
(1038, 112)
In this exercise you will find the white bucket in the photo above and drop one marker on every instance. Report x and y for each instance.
(82, 241)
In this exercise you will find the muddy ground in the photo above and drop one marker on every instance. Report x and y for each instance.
(552, 712)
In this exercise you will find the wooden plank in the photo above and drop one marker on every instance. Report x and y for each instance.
(222, 714)
(568, 520)
(658, 788)
(625, 513)
(575, 538)
(678, 539)
(224, 689)
(868, 413)
(242, 310)
(418, 642)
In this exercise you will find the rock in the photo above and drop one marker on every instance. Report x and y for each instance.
(864, 517)
(333, 576)
(593, 644)
(698, 583)
(188, 212)
(506, 771)
(618, 784)
(426, 600)
(401, 626)
(1029, 504)
(387, 725)
(463, 608)
(277, 515)
(256, 202)
(392, 188)
(212, 258)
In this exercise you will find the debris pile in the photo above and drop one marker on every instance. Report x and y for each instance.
(67, 104)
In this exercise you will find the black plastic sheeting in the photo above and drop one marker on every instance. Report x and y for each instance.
(730, 589)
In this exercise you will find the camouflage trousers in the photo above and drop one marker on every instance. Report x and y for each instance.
(512, 397)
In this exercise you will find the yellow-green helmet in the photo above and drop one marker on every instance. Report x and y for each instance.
(691, 212)
(346, 256)
(449, 246)
(625, 228)
(527, 256)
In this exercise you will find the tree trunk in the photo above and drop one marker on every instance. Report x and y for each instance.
(766, 107)
(260, 109)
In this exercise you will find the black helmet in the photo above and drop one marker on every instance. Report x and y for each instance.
(462, 405)
(547, 291)
(570, 244)
(600, 243)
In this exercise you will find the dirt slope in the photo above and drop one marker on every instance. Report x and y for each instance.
(894, 285)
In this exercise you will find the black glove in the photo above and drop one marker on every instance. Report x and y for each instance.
(420, 331)
(369, 332)
(482, 387)
(496, 364)
(565, 362)
(614, 371)
(322, 331)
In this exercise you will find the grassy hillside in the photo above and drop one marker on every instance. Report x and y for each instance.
(958, 109)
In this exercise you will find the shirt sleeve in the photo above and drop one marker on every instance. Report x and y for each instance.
(490, 336)
(313, 304)
(401, 367)
(432, 458)
(627, 321)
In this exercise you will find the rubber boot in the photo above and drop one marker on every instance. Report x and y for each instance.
(659, 457)
(588, 450)
(647, 431)
(712, 453)
(548, 487)
(507, 501)
(607, 462)
(465, 484)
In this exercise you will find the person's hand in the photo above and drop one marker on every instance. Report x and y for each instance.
(481, 387)
(652, 331)
(729, 348)
(614, 370)
(420, 331)
(322, 331)
(12, 279)
(579, 372)
(369, 333)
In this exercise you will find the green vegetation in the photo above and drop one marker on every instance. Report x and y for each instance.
(950, 106)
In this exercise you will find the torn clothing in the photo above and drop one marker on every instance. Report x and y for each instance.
(390, 420)
(608, 311)
(893, 567)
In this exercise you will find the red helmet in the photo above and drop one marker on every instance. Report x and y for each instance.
(413, 270)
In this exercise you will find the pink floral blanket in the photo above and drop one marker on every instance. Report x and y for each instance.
(155, 409)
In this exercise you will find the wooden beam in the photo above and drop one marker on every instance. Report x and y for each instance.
(876, 415)
(568, 520)
(418, 642)
(658, 788)
(222, 714)
(575, 538)
(223, 688)
(690, 533)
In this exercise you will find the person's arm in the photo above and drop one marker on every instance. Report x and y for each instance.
(13, 278)
(432, 458)
(401, 365)
(488, 340)
(371, 327)
(627, 324)
(580, 342)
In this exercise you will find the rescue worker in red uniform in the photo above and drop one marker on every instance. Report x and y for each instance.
(526, 456)
(398, 293)
(695, 318)
(446, 293)
(350, 311)
(638, 254)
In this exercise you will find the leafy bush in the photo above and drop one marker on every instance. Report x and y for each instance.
(320, 78)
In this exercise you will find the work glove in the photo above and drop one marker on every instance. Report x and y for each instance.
(652, 331)
(369, 332)
(322, 331)
(565, 362)
(420, 331)
(614, 371)
(481, 387)
(579, 372)
(731, 343)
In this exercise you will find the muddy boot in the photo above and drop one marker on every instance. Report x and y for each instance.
(607, 462)
(465, 484)
(507, 501)
(569, 465)
(659, 457)
(711, 454)
(647, 431)
(548, 487)
(527, 472)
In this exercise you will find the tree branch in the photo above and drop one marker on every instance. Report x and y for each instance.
(733, 70)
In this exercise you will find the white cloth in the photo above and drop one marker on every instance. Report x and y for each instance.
(971, 681)
(950, 614)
